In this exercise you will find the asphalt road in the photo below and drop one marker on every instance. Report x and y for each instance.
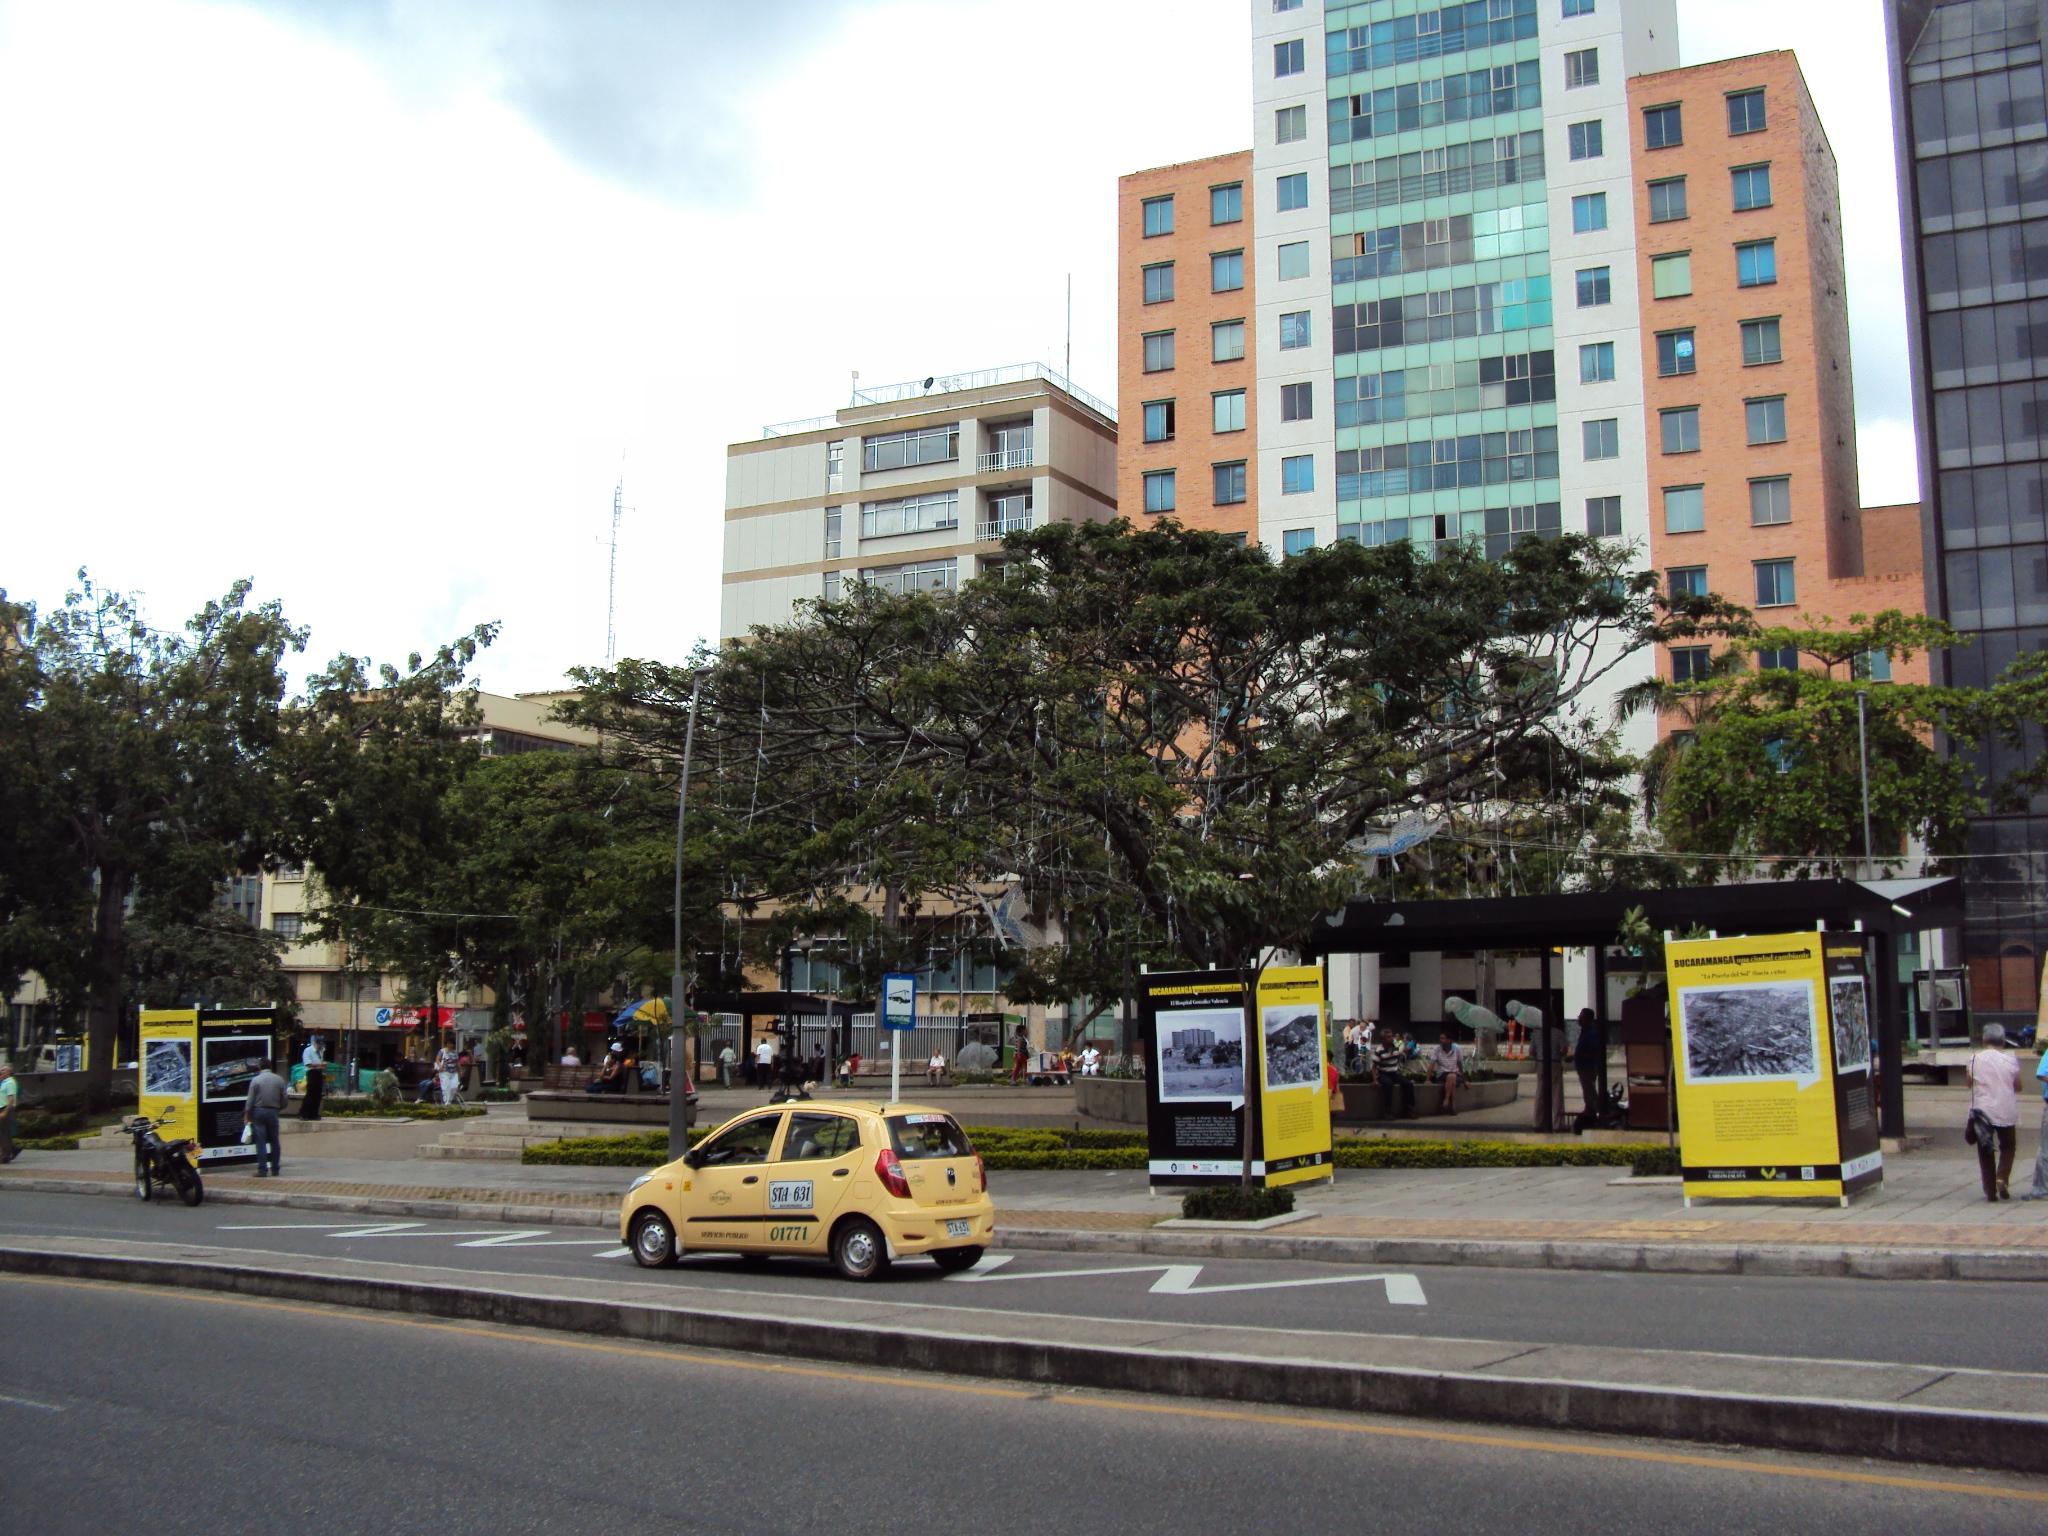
(1924, 1323)
(173, 1412)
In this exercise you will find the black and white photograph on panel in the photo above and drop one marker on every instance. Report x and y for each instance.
(1292, 1058)
(1848, 1004)
(1749, 1029)
(1201, 1054)
(232, 1062)
(167, 1068)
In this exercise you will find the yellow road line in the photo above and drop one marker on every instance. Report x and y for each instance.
(1105, 1403)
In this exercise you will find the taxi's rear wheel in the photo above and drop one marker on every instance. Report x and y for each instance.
(654, 1240)
(954, 1260)
(858, 1252)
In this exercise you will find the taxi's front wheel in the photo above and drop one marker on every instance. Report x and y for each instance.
(654, 1240)
(858, 1252)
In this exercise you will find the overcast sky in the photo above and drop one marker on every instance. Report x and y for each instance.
(375, 300)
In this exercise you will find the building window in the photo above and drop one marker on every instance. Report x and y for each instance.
(1596, 362)
(1297, 541)
(900, 450)
(1577, 8)
(1872, 667)
(1663, 127)
(1667, 200)
(1158, 421)
(1690, 663)
(1783, 658)
(831, 586)
(1297, 474)
(1770, 503)
(1230, 488)
(1774, 585)
(1226, 341)
(1289, 58)
(1681, 429)
(1752, 187)
(835, 465)
(1756, 264)
(1290, 125)
(1601, 439)
(1158, 490)
(1603, 517)
(1589, 212)
(910, 514)
(1158, 351)
(1294, 260)
(1286, 5)
(1297, 402)
(1766, 419)
(835, 531)
(1582, 67)
(1685, 508)
(1675, 353)
(1226, 203)
(1226, 410)
(1687, 581)
(1158, 216)
(288, 925)
(1294, 330)
(919, 576)
(1595, 286)
(1671, 276)
(1760, 342)
(1159, 283)
(1746, 111)
(1584, 140)
(1292, 192)
(1226, 271)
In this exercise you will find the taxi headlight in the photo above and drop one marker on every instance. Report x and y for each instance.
(638, 1182)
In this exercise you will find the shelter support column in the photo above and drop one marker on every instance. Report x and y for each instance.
(1884, 964)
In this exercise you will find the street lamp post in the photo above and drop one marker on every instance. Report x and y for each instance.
(678, 1075)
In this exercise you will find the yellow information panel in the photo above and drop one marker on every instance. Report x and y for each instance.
(1753, 1057)
(1294, 1093)
(164, 1076)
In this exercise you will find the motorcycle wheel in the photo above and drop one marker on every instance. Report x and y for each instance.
(186, 1177)
(144, 1185)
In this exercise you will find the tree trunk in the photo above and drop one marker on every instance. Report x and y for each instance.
(104, 983)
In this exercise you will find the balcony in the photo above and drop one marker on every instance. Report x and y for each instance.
(1004, 459)
(1002, 521)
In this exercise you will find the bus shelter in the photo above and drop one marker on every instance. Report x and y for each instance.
(1883, 910)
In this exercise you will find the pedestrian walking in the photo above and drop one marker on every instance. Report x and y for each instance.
(260, 1113)
(316, 1079)
(726, 1058)
(1589, 1055)
(10, 1095)
(1995, 1111)
(2040, 1189)
(1020, 1047)
(445, 1071)
(764, 1062)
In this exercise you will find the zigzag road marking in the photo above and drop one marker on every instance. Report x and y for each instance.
(1182, 1279)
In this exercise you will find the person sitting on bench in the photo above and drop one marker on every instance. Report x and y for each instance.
(613, 1078)
(1397, 1094)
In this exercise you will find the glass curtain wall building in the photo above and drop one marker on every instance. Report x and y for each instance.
(1972, 140)
(1449, 333)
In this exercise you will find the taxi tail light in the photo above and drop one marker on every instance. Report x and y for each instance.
(981, 1172)
(890, 1172)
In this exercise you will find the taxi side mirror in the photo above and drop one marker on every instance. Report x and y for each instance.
(693, 1159)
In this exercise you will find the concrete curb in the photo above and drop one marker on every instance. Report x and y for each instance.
(1827, 1261)
(1939, 1436)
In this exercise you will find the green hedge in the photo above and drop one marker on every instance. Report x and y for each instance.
(43, 1124)
(1656, 1162)
(47, 1144)
(1233, 1202)
(362, 1109)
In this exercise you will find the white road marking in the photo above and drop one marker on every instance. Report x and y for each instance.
(29, 1402)
(627, 1253)
(538, 1238)
(1183, 1280)
(288, 1226)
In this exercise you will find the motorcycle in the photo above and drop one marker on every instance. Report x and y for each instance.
(164, 1164)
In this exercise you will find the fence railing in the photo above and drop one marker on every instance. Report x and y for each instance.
(1005, 458)
(992, 528)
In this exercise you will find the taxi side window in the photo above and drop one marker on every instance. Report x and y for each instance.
(820, 1136)
(747, 1142)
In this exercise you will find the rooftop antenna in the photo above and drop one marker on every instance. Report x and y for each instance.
(1067, 369)
(855, 399)
(611, 596)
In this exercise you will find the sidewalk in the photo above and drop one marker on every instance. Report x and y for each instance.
(1928, 1219)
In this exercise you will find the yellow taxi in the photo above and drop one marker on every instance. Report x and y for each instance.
(860, 1183)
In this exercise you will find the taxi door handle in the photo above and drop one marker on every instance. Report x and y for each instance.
(752, 1178)
(840, 1173)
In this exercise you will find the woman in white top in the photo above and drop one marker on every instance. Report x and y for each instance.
(1994, 1093)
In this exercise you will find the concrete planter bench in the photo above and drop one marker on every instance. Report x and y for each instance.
(1111, 1100)
(1365, 1102)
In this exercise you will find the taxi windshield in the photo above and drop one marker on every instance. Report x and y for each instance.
(919, 1136)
